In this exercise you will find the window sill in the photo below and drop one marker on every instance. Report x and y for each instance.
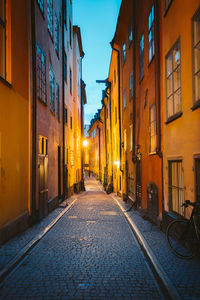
(167, 9)
(151, 61)
(153, 153)
(196, 105)
(174, 117)
(44, 103)
(5, 82)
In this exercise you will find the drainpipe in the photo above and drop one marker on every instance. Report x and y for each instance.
(134, 82)
(34, 113)
(119, 103)
(157, 89)
(63, 100)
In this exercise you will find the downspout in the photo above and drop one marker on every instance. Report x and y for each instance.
(157, 88)
(119, 104)
(99, 152)
(63, 100)
(34, 113)
(134, 83)
(111, 137)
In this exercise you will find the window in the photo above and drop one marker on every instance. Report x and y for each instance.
(52, 88)
(43, 145)
(124, 98)
(58, 101)
(66, 115)
(196, 56)
(50, 16)
(173, 81)
(57, 34)
(151, 34)
(70, 80)
(65, 66)
(41, 74)
(141, 57)
(114, 76)
(176, 187)
(152, 128)
(197, 179)
(125, 145)
(70, 33)
(41, 5)
(71, 122)
(130, 33)
(131, 86)
(3, 38)
(65, 13)
(124, 52)
(131, 137)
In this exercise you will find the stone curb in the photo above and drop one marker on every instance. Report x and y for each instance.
(31, 244)
(167, 286)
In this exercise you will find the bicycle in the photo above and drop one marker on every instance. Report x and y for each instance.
(183, 236)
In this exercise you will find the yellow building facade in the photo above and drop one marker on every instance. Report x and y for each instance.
(180, 94)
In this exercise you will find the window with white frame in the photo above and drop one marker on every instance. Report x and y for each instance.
(50, 16)
(131, 137)
(141, 57)
(58, 101)
(196, 56)
(41, 74)
(56, 34)
(151, 34)
(124, 52)
(41, 5)
(124, 98)
(173, 81)
(131, 86)
(152, 128)
(3, 39)
(175, 186)
(52, 88)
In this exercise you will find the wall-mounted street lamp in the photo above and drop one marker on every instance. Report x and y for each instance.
(117, 163)
(85, 143)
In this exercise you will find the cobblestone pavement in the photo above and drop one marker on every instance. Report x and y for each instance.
(184, 274)
(90, 253)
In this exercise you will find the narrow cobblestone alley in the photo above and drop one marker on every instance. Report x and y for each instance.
(91, 253)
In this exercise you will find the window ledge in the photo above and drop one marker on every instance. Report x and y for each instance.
(196, 105)
(5, 82)
(153, 153)
(167, 9)
(44, 103)
(174, 117)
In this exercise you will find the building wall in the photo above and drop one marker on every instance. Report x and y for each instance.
(181, 136)
(14, 122)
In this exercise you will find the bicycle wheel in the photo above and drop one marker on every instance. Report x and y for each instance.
(181, 238)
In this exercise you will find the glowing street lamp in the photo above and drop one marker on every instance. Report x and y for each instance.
(116, 163)
(85, 143)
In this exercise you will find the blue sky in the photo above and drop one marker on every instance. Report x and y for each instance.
(97, 20)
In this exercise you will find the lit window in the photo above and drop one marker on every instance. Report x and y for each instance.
(65, 66)
(173, 81)
(151, 34)
(50, 16)
(141, 57)
(131, 137)
(176, 187)
(70, 80)
(58, 100)
(125, 144)
(56, 34)
(196, 56)
(3, 39)
(41, 74)
(152, 128)
(131, 86)
(124, 96)
(124, 52)
(41, 5)
(52, 88)
(43, 145)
